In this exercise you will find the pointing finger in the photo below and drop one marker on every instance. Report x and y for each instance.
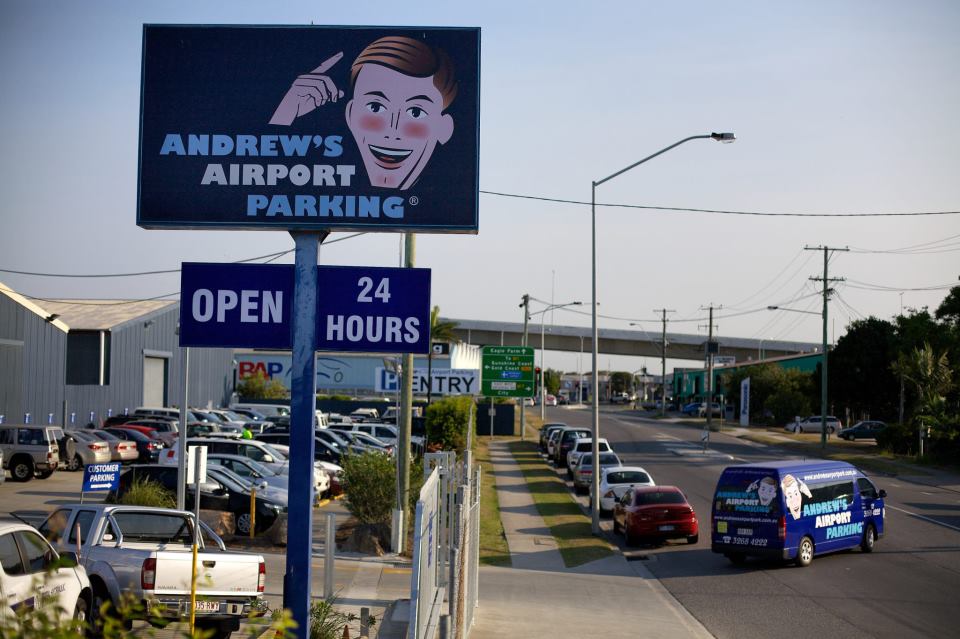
(332, 60)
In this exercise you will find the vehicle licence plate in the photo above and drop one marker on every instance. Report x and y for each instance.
(666, 528)
(207, 606)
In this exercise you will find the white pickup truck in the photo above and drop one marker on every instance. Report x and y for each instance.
(147, 552)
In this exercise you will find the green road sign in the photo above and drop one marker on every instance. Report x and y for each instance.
(507, 371)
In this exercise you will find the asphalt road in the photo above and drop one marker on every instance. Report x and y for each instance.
(907, 588)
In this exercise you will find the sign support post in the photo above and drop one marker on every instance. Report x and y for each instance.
(297, 582)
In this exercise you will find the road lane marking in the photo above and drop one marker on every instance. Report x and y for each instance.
(932, 521)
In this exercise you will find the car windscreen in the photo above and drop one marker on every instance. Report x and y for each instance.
(627, 477)
(154, 527)
(665, 497)
(605, 460)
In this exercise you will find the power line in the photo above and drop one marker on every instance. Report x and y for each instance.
(272, 257)
(896, 289)
(88, 303)
(714, 211)
(933, 246)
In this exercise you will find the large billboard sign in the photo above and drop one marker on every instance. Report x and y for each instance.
(359, 308)
(341, 128)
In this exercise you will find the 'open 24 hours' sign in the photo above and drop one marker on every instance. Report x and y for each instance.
(359, 309)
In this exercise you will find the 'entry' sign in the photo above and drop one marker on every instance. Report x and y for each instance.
(359, 309)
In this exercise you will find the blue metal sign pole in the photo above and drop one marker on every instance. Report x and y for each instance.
(297, 582)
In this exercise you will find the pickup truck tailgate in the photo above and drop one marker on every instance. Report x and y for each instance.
(218, 574)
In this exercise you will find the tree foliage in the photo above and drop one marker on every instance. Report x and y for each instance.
(860, 377)
(776, 394)
(440, 331)
(371, 487)
(259, 386)
(551, 379)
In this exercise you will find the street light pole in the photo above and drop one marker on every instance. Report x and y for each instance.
(595, 448)
(663, 360)
(525, 305)
(543, 315)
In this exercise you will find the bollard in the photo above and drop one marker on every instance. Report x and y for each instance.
(329, 552)
(253, 511)
(444, 626)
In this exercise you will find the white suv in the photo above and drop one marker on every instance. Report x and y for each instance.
(30, 450)
(584, 446)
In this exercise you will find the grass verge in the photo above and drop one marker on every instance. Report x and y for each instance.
(569, 526)
(493, 542)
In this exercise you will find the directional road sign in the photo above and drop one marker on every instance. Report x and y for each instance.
(97, 477)
(359, 308)
(507, 371)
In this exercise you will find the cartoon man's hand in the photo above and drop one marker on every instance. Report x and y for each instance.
(308, 92)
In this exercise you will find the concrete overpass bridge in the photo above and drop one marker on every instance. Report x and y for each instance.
(637, 343)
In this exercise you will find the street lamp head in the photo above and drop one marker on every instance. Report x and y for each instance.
(772, 308)
(726, 137)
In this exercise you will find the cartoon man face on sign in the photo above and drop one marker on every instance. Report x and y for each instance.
(401, 90)
(792, 487)
(766, 489)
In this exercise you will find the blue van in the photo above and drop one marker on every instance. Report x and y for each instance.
(791, 510)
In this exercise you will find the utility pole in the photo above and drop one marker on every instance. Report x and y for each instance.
(405, 421)
(823, 367)
(525, 305)
(902, 389)
(663, 360)
(708, 386)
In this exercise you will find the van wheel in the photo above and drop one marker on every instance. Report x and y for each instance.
(805, 552)
(869, 539)
(21, 469)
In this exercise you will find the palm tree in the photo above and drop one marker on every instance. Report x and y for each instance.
(439, 332)
(930, 372)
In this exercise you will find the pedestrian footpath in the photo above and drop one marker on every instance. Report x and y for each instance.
(539, 597)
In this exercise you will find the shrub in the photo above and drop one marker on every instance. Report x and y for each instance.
(149, 493)
(370, 481)
(900, 439)
(257, 386)
(447, 422)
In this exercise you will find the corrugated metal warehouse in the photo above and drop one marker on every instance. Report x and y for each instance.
(66, 360)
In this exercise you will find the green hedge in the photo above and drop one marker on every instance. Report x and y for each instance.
(447, 422)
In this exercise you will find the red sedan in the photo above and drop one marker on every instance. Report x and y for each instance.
(655, 513)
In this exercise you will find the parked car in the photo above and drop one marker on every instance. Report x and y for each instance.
(220, 492)
(89, 448)
(691, 409)
(250, 470)
(863, 430)
(210, 429)
(552, 442)
(621, 397)
(655, 513)
(369, 442)
(148, 448)
(568, 438)
(545, 432)
(365, 415)
(163, 430)
(528, 401)
(791, 510)
(34, 575)
(121, 450)
(323, 449)
(267, 410)
(614, 482)
(145, 552)
(584, 446)
(583, 471)
(813, 424)
(550, 400)
(30, 450)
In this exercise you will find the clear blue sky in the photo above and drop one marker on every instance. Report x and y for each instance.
(838, 107)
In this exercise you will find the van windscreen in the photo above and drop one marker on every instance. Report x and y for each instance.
(747, 491)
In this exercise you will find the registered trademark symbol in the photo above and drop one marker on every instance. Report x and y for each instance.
(414, 200)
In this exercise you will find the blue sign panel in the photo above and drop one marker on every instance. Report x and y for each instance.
(235, 305)
(364, 129)
(373, 310)
(359, 308)
(98, 477)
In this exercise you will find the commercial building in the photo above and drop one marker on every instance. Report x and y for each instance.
(79, 361)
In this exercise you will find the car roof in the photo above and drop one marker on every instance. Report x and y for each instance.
(796, 465)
